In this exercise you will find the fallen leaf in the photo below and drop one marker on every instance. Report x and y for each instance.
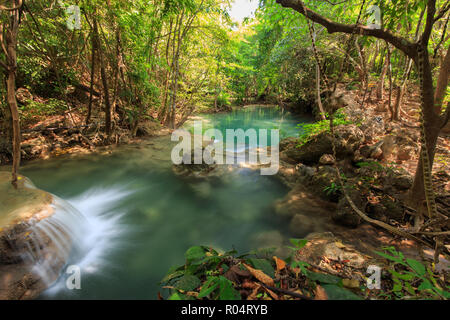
(280, 263)
(253, 295)
(272, 294)
(248, 285)
(261, 276)
(320, 294)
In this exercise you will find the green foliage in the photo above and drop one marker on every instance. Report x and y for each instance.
(204, 276)
(334, 188)
(311, 130)
(411, 278)
(35, 110)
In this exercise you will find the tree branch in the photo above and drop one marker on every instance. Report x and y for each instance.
(431, 10)
(400, 43)
(5, 8)
(443, 11)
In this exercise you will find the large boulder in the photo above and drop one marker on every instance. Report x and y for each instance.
(344, 214)
(348, 140)
(21, 210)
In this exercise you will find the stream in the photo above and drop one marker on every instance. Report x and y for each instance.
(143, 217)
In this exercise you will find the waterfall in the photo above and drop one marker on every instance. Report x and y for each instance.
(80, 231)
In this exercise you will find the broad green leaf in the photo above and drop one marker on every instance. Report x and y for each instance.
(337, 293)
(208, 287)
(391, 258)
(172, 276)
(324, 278)
(417, 266)
(263, 265)
(426, 284)
(188, 283)
(298, 243)
(195, 253)
(227, 291)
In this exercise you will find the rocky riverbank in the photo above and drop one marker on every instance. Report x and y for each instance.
(374, 158)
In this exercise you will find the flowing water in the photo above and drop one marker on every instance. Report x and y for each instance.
(141, 217)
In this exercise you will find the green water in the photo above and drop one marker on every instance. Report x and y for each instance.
(147, 217)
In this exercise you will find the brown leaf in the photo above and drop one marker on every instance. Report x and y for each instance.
(261, 276)
(234, 274)
(254, 293)
(280, 263)
(248, 284)
(272, 294)
(320, 294)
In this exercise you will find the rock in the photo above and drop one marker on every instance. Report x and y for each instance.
(402, 181)
(394, 210)
(288, 143)
(327, 245)
(348, 140)
(326, 160)
(200, 170)
(300, 201)
(373, 127)
(301, 225)
(405, 154)
(147, 128)
(365, 151)
(388, 146)
(23, 95)
(324, 178)
(22, 208)
(376, 153)
(345, 215)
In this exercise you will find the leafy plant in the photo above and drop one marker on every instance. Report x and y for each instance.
(412, 278)
(311, 130)
(208, 274)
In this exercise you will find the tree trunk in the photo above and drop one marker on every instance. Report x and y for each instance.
(12, 102)
(10, 42)
(319, 98)
(442, 82)
(104, 82)
(91, 88)
(380, 86)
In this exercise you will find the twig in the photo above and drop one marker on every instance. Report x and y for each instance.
(284, 291)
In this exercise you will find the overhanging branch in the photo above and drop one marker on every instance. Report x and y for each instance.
(402, 44)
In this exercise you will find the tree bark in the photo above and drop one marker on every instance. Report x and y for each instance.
(380, 85)
(104, 82)
(10, 43)
(91, 88)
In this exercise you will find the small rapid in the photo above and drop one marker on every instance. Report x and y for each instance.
(94, 227)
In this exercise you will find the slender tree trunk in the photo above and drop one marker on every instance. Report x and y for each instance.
(318, 97)
(104, 82)
(442, 82)
(10, 43)
(91, 88)
(380, 86)
(390, 82)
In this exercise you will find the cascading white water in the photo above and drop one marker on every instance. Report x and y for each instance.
(81, 232)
